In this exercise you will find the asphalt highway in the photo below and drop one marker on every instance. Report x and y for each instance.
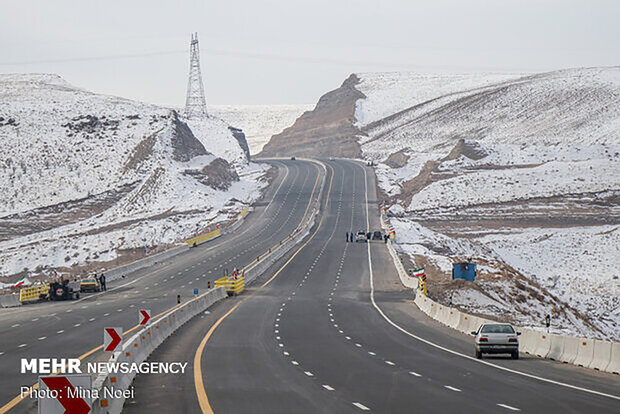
(329, 329)
(72, 329)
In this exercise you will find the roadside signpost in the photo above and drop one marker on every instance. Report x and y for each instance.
(144, 315)
(65, 394)
(112, 339)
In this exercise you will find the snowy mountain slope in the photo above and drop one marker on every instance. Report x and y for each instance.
(388, 93)
(520, 173)
(88, 178)
(569, 106)
(259, 122)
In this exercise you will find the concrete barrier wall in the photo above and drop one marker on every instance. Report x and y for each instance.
(585, 353)
(571, 347)
(138, 347)
(556, 347)
(595, 354)
(614, 364)
(601, 355)
(9, 301)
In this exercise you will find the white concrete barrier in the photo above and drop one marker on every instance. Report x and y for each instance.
(9, 301)
(585, 353)
(542, 345)
(138, 347)
(527, 341)
(614, 363)
(601, 355)
(453, 318)
(556, 347)
(405, 279)
(571, 348)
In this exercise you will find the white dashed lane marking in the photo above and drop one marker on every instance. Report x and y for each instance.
(294, 362)
(61, 331)
(327, 387)
(415, 374)
(308, 373)
(452, 388)
(390, 363)
(509, 407)
(42, 338)
(22, 345)
(361, 406)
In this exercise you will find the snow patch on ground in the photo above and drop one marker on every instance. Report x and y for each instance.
(63, 147)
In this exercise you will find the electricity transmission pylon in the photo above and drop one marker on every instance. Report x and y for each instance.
(195, 102)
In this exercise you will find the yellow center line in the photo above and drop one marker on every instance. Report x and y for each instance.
(201, 392)
(6, 407)
(302, 220)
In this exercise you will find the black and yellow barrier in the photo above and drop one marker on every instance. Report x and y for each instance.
(194, 241)
(233, 285)
(33, 292)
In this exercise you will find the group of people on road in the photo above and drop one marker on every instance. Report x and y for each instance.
(350, 237)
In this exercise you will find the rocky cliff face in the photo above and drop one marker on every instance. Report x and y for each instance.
(240, 137)
(327, 130)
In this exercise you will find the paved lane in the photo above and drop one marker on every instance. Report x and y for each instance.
(313, 341)
(69, 329)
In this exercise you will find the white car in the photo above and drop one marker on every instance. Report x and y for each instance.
(496, 338)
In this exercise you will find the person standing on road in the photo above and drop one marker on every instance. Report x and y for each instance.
(102, 281)
(348, 238)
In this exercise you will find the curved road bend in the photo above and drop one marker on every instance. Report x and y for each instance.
(70, 329)
(312, 341)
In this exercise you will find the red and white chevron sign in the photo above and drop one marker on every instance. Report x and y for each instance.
(144, 315)
(112, 339)
(65, 394)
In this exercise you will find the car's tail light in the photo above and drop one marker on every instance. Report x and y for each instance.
(512, 339)
(483, 340)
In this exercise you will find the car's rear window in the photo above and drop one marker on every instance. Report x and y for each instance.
(507, 329)
(88, 280)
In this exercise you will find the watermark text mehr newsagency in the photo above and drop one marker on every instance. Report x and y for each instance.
(74, 366)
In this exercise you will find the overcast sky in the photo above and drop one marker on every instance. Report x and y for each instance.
(292, 51)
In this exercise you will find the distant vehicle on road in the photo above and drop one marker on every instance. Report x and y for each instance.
(377, 235)
(360, 237)
(292, 158)
(90, 284)
(496, 338)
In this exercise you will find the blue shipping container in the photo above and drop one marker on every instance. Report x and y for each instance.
(464, 270)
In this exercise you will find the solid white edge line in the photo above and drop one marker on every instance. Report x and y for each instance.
(426, 341)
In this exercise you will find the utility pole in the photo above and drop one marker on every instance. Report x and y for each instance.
(195, 102)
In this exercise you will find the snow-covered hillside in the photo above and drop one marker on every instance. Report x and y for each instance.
(388, 93)
(89, 178)
(522, 173)
(259, 122)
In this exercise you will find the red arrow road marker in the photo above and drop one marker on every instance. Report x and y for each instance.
(115, 338)
(144, 315)
(71, 405)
